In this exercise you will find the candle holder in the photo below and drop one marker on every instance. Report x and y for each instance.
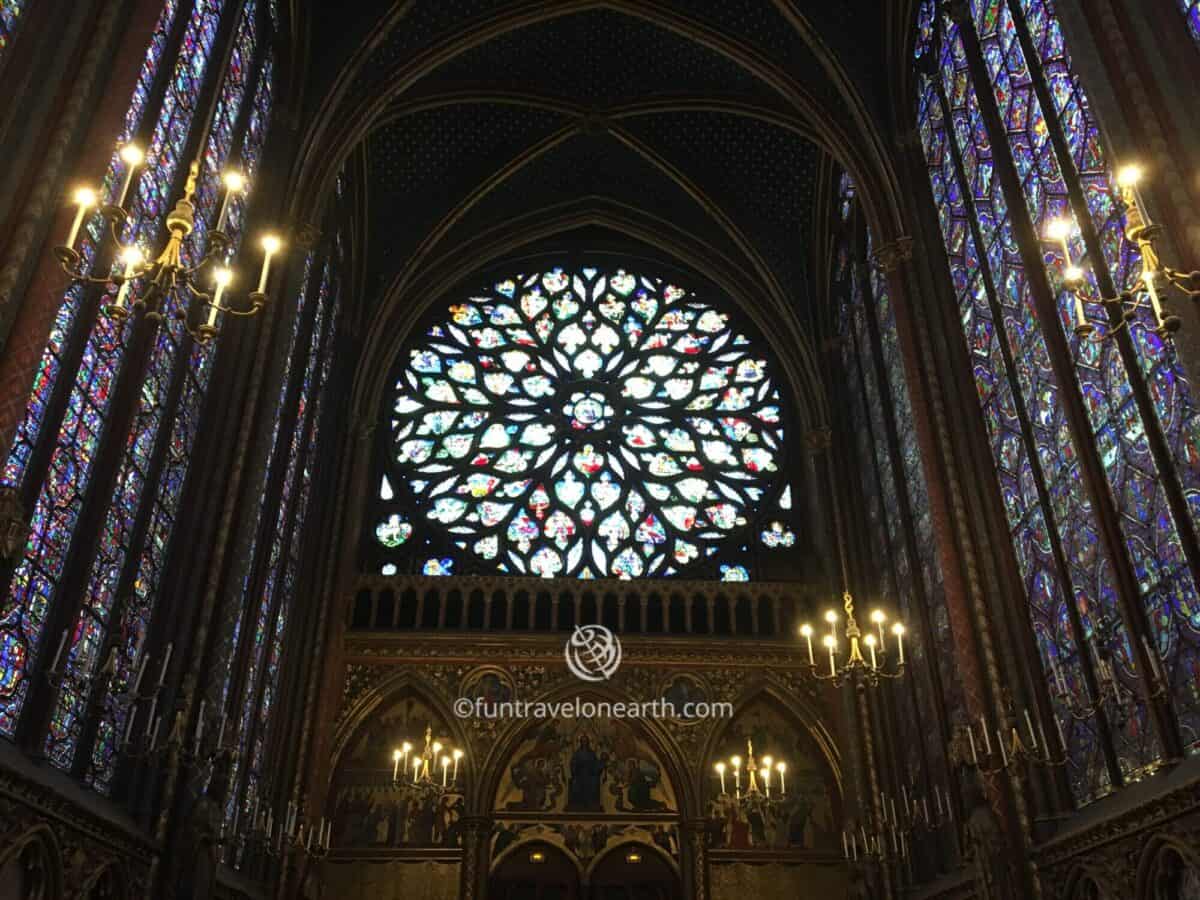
(1155, 280)
(871, 669)
(994, 753)
(291, 835)
(166, 274)
(756, 792)
(424, 767)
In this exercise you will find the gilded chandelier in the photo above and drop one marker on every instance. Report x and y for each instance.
(425, 765)
(1155, 280)
(758, 776)
(143, 284)
(855, 668)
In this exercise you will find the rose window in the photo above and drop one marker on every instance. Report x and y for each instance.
(585, 424)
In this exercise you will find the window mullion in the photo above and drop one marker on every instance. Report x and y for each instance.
(871, 365)
(293, 531)
(1029, 245)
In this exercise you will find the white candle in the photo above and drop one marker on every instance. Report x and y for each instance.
(937, 796)
(153, 707)
(396, 766)
(137, 682)
(199, 727)
(62, 642)
(132, 157)
(925, 807)
(85, 199)
(874, 664)
(1061, 739)
(221, 739)
(832, 664)
(223, 278)
(270, 822)
(854, 845)
(270, 245)
(328, 832)
(416, 770)
(154, 732)
(457, 756)
(1003, 751)
(987, 741)
(971, 738)
(894, 819)
(234, 183)
(308, 842)
(162, 675)
(721, 775)
(808, 641)
(782, 788)
(845, 845)
(1029, 724)
(904, 797)
(445, 769)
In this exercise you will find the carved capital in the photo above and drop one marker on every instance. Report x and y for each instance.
(818, 440)
(891, 256)
(307, 236)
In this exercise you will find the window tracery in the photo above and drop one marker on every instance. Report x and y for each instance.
(584, 423)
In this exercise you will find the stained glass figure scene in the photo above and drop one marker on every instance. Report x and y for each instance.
(587, 424)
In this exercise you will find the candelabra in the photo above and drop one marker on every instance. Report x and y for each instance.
(899, 823)
(991, 754)
(757, 793)
(291, 835)
(1154, 280)
(424, 766)
(856, 667)
(166, 273)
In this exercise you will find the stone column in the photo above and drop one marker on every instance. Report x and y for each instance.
(476, 843)
(693, 859)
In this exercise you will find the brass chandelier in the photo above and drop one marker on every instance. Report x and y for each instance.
(1155, 280)
(143, 284)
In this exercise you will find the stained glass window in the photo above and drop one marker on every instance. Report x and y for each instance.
(584, 423)
(899, 532)
(1191, 9)
(10, 21)
(1074, 607)
(295, 451)
(136, 498)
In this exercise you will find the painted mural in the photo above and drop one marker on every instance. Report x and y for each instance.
(595, 766)
(803, 819)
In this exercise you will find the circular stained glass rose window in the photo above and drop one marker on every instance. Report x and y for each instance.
(589, 423)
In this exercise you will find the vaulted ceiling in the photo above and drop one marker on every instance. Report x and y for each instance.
(697, 130)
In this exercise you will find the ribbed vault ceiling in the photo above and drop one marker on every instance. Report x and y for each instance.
(675, 124)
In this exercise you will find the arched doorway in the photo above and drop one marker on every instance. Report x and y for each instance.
(535, 871)
(634, 872)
